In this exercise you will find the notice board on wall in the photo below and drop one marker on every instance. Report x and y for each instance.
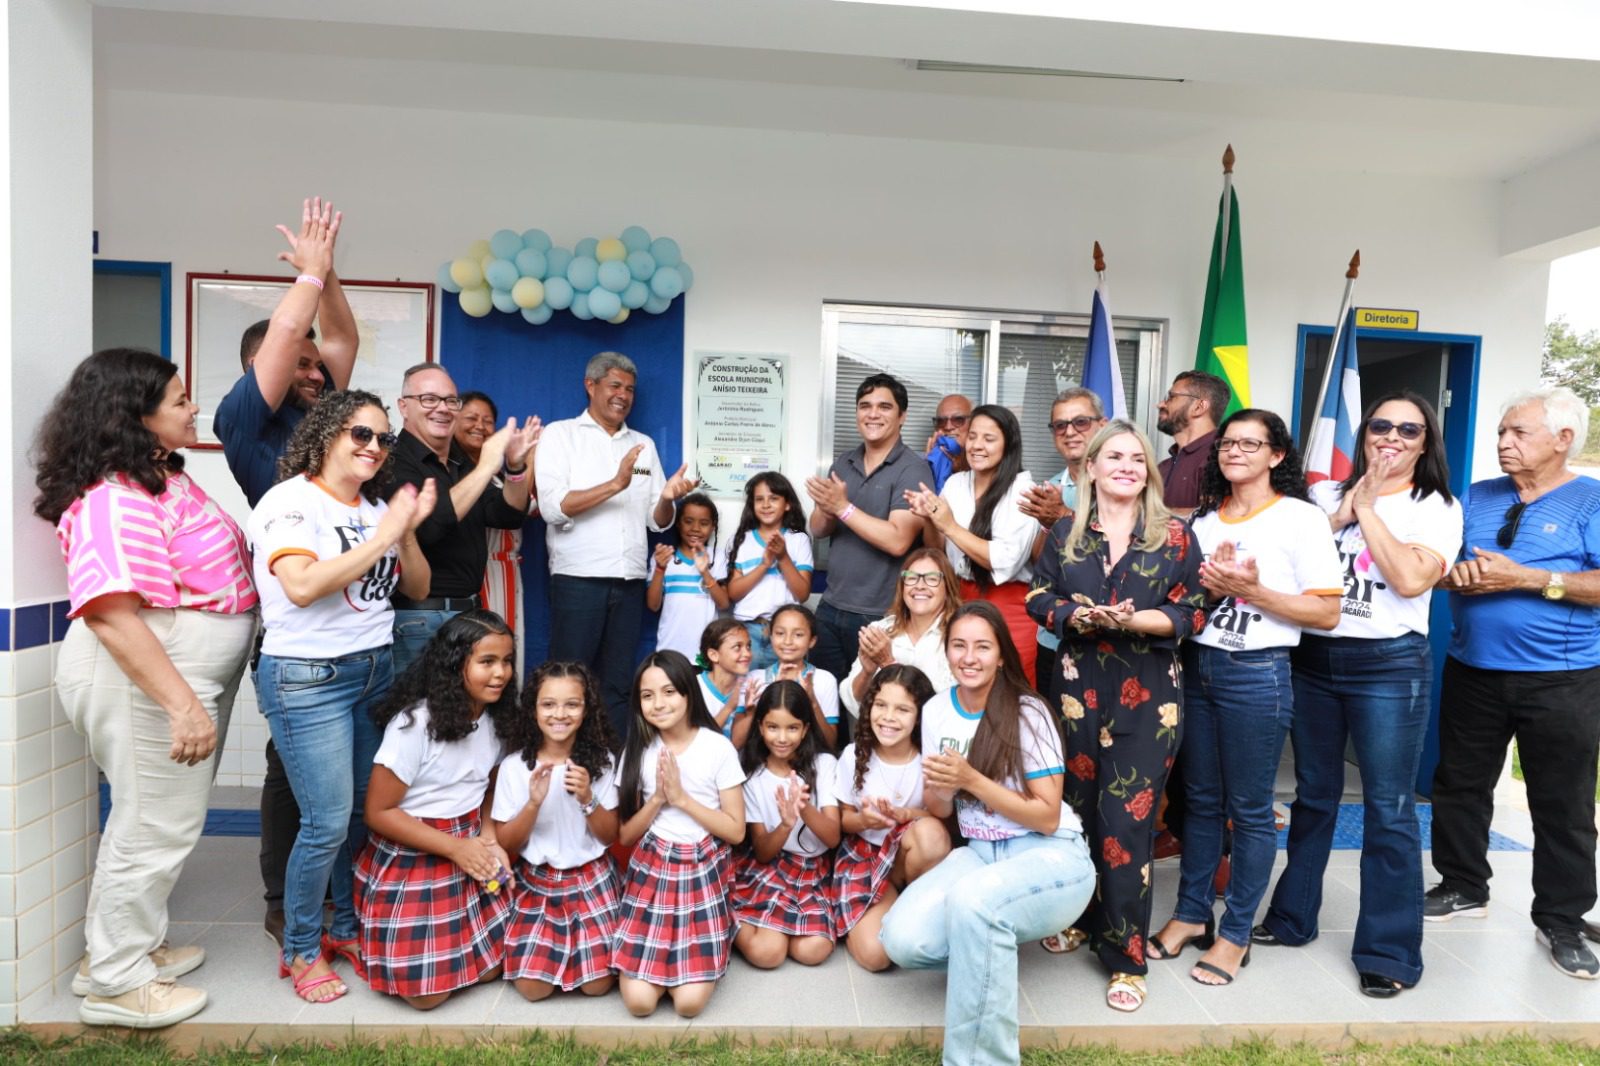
(538, 370)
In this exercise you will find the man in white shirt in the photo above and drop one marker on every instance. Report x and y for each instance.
(600, 489)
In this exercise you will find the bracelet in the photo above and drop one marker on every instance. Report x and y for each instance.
(587, 809)
(514, 475)
(311, 279)
(844, 515)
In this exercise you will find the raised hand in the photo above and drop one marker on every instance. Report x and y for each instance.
(828, 494)
(400, 517)
(1241, 580)
(669, 780)
(947, 771)
(679, 485)
(624, 476)
(925, 503)
(426, 499)
(539, 783)
(874, 647)
(576, 781)
(493, 453)
(776, 549)
(1363, 495)
(519, 449)
(663, 555)
(1043, 503)
(311, 250)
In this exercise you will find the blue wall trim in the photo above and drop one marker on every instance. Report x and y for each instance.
(33, 625)
(160, 270)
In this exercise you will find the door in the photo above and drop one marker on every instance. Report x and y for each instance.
(133, 305)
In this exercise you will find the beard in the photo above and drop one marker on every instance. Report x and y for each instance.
(1173, 424)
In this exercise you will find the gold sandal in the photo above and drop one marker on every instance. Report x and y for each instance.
(1125, 984)
(1067, 940)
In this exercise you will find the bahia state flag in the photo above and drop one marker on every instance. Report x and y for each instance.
(1101, 371)
(1223, 349)
(1333, 438)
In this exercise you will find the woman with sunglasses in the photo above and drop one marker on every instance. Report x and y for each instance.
(328, 555)
(1271, 571)
(1367, 684)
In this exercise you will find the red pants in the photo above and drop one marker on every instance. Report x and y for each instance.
(1009, 598)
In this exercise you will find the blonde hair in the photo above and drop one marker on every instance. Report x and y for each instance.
(1156, 515)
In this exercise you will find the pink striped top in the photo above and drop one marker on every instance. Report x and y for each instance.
(178, 549)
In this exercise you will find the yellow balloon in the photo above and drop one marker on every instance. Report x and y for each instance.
(622, 316)
(475, 302)
(483, 264)
(477, 250)
(610, 249)
(528, 292)
(466, 273)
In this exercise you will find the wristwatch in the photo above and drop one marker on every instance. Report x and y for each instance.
(1556, 587)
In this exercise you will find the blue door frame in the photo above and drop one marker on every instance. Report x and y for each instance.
(159, 270)
(1461, 379)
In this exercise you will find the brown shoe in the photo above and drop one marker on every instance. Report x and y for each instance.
(1166, 846)
(1224, 874)
(151, 1006)
(171, 964)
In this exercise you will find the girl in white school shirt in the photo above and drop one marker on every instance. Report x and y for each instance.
(687, 578)
(769, 559)
(724, 681)
(794, 634)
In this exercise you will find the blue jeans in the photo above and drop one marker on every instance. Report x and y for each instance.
(761, 654)
(595, 621)
(320, 713)
(412, 632)
(969, 913)
(838, 638)
(1236, 711)
(1375, 694)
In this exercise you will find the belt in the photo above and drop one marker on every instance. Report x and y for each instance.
(435, 603)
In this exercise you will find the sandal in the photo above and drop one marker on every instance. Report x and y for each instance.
(1068, 940)
(1217, 971)
(1130, 985)
(349, 950)
(1158, 950)
(305, 984)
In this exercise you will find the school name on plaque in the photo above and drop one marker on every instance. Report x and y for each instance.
(739, 402)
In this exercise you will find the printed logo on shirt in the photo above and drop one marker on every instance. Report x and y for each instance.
(1230, 620)
(955, 744)
(641, 471)
(290, 518)
(1360, 579)
(373, 588)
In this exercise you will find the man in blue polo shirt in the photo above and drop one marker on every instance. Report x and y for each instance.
(1524, 664)
(285, 372)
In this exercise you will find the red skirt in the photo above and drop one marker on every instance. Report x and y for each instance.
(562, 923)
(788, 894)
(426, 927)
(1011, 599)
(860, 874)
(676, 927)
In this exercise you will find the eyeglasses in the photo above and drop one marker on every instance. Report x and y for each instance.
(1248, 445)
(1180, 396)
(950, 420)
(430, 400)
(1508, 532)
(1381, 427)
(932, 578)
(363, 436)
(1080, 424)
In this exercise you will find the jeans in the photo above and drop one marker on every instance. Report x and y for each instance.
(595, 621)
(320, 714)
(762, 656)
(969, 913)
(412, 632)
(838, 641)
(1236, 706)
(1373, 693)
(1554, 715)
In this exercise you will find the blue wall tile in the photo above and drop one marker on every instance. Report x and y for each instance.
(58, 619)
(31, 625)
(5, 629)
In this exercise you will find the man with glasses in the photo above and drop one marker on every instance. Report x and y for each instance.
(1524, 665)
(453, 537)
(950, 420)
(1189, 416)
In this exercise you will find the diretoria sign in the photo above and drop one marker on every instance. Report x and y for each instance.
(738, 413)
(1385, 318)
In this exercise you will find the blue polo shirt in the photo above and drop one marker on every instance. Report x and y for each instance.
(253, 435)
(1520, 630)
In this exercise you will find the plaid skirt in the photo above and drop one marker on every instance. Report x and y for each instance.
(676, 926)
(860, 873)
(788, 894)
(562, 923)
(426, 927)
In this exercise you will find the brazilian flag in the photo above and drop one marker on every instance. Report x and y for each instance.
(1223, 350)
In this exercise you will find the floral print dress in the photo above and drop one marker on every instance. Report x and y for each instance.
(1121, 700)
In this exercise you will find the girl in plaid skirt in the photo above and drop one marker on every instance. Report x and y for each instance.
(427, 882)
(680, 799)
(555, 802)
(780, 885)
(889, 837)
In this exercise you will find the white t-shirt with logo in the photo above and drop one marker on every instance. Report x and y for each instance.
(1371, 609)
(707, 766)
(823, 683)
(948, 725)
(1294, 553)
(560, 838)
(761, 804)
(900, 784)
(772, 591)
(443, 778)
(300, 517)
(686, 607)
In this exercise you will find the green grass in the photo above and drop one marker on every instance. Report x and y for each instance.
(1516, 771)
(540, 1050)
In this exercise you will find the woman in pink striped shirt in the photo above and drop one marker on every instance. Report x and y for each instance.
(164, 615)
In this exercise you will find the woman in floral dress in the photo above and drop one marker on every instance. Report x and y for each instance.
(1119, 582)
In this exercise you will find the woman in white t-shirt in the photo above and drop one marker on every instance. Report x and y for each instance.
(977, 519)
(329, 552)
(1368, 684)
(991, 752)
(926, 595)
(1271, 570)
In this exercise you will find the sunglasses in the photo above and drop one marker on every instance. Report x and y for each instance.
(363, 436)
(950, 420)
(1081, 424)
(1381, 427)
(1508, 532)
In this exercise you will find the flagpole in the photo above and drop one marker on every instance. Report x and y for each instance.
(1227, 202)
(1333, 349)
(1099, 262)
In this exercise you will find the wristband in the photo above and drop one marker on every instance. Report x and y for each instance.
(514, 475)
(587, 809)
(310, 279)
(844, 515)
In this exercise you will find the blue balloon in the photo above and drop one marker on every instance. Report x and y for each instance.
(666, 282)
(583, 273)
(558, 293)
(657, 304)
(531, 264)
(603, 303)
(687, 275)
(537, 316)
(586, 247)
(502, 301)
(634, 296)
(446, 282)
(501, 274)
(536, 239)
(635, 238)
(580, 306)
(505, 244)
(556, 261)
(641, 265)
(614, 275)
(666, 252)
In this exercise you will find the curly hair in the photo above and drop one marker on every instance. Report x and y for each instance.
(95, 428)
(1288, 478)
(314, 436)
(917, 686)
(438, 680)
(641, 734)
(591, 747)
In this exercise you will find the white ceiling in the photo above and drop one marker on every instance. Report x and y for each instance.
(841, 67)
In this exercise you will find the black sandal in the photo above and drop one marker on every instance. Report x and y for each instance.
(1378, 986)
(1202, 940)
(1217, 971)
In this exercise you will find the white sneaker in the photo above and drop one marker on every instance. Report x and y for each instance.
(151, 1006)
(171, 963)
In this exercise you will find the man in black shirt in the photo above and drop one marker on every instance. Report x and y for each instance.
(453, 537)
